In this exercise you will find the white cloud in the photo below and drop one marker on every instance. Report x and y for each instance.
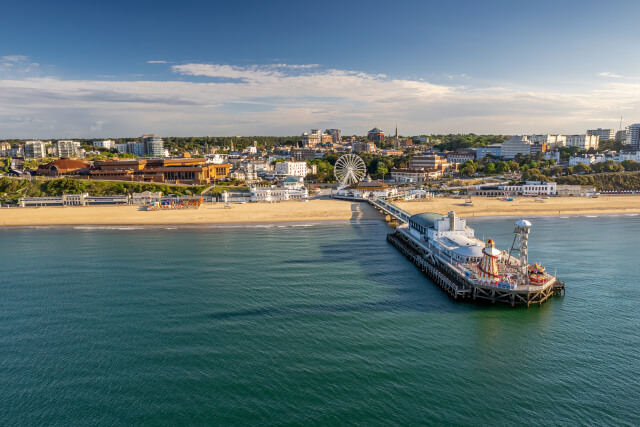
(17, 65)
(609, 74)
(296, 66)
(252, 73)
(158, 62)
(268, 100)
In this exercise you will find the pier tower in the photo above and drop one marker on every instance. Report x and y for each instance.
(489, 265)
(520, 246)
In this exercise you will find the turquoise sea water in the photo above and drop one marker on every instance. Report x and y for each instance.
(323, 324)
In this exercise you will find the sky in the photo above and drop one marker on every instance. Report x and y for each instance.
(74, 69)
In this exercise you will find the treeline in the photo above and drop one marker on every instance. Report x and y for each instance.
(239, 143)
(605, 182)
(454, 142)
(12, 189)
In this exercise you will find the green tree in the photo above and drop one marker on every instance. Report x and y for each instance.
(490, 169)
(630, 165)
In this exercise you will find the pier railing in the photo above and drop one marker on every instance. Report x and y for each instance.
(391, 209)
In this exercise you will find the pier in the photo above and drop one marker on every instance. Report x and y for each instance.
(459, 280)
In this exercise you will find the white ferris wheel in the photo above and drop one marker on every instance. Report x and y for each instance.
(349, 169)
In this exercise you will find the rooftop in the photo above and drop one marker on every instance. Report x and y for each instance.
(426, 219)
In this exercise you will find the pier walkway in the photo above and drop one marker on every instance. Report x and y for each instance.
(390, 209)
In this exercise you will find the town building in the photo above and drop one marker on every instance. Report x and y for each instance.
(34, 149)
(367, 189)
(392, 152)
(217, 159)
(336, 135)
(517, 144)
(63, 167)
(585, 159)
(574, 190)
(460, 156)
(539, 147)
(603, 134)
(107, 144)
(583, 142)
(276, 194)
(552, 155)
(17, 150)
(5, 149)
(173, 171)
(375, 135)
(430, 161)
(529, 188)
(634, 136)
(623, 136)
(292, 168)
(84, 199)
(363, 147)
(303, 154)
(153, 146)
(415, 175)
(494, 150)
(67, 148)
(550, 140)
(315, 138)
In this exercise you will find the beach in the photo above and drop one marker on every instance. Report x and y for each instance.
(208, 213)
(527, 206)
(312, 210)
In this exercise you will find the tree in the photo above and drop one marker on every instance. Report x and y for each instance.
(381, 170)
(490, 169)
(501, 167)
(582, 168)
(468, 170)
(630, 165)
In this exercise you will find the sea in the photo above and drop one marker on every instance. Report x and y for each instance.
(310, 324)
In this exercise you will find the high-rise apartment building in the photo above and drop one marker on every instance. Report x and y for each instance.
(5, 149)
(107, 143)
(66, 148)
(550, 140)
(603, 134)
(623, 136)
(517, 144)
(336, 135)
(584, 142)
(315, 138)
(634, 136)
(292, 169)
(153, 145)
(34, 149)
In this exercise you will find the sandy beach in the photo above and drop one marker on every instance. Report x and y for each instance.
(313, 210)
(528, 206)
(215, 213)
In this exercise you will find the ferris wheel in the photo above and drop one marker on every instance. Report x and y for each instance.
(349, 169)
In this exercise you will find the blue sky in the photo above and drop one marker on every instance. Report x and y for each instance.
(94, 69)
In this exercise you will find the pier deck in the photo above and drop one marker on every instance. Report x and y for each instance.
(450, 279)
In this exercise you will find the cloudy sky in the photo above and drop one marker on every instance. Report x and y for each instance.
(124, 68)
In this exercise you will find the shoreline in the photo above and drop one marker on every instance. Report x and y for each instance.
(296, 212)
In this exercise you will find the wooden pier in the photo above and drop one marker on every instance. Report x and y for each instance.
(459, 288)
